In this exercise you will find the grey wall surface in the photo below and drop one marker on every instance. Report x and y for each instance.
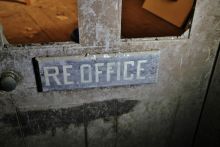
(164, 114)
(208, 133)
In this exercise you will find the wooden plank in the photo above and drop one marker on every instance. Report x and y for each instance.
(40, 22)
(138, 22)
(100, 117)
(46, 25)
(53, 127)
(103, 131)
(11, 134)
(149, 123)
(19, 27)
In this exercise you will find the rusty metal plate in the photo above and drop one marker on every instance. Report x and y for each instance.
(74, 72)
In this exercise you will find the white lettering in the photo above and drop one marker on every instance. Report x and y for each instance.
(53, 75)
(118, 70)
(139, 69)
(66, 74)
(126, 63)
(109, 70)
(89, 72)
(97, 71)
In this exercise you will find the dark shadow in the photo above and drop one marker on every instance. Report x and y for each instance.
(41, 121)
(37, 75)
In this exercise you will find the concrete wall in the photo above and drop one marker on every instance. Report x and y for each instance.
(208, 132)
(164, 114)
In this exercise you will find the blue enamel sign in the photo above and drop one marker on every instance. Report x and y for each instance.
(74, 72)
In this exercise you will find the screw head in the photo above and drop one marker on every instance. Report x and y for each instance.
(8, 84)
(8, 81)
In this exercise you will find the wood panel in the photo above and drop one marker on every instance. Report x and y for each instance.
(11, 134)
(138, 22)
(41, 21)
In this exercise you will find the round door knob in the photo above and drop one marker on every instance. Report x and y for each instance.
(8, 81)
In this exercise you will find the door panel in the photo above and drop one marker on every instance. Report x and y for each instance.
(162, 114)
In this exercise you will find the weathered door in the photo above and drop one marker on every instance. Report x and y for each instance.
(161, 114)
